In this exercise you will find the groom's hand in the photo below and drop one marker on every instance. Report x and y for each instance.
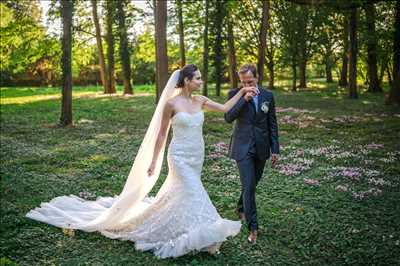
(274, 160)
(249, 92)
(248, 96)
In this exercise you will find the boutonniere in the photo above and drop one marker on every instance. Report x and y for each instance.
(264, 107)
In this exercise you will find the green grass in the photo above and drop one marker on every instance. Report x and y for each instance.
(299, 223)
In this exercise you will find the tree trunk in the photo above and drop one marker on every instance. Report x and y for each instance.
(303, 70)
(205, 50)
(394, 94)
(232, 57)
(328, 68)
(389, 77)
(66, 79)
(218, 47)
(103, 75)
(303, 48)
(123, 49)
(382, 72)
(181, 33)
(294, 76)
(374, 85)
(263, 41)
(345, 56)
(353, 54)
(110, 47)
(161, 46)
(271, 75)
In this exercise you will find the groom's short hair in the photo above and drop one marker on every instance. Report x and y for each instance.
(248, 67)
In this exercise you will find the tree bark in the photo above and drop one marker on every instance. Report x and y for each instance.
(345, 56)
(232, 57)
(103, 76)
(110, 47)
(123, 49)
(394, 94)
(303, 71)
(181, 33)
(218, 47)
(263, 40)
(205, 50)
(161, 46)
(374, 85)
(66, 79)
(382, 72)
(271, 72)
(353, 54)
(303, 50)
(389, 76)
(294, 76)
(328, 68)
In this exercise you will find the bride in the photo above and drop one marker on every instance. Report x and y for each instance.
(180, 218)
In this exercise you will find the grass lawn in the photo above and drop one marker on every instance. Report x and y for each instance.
(333, 200)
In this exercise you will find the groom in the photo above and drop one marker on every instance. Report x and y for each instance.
(254, 138)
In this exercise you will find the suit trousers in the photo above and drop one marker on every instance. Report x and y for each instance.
(250, 170)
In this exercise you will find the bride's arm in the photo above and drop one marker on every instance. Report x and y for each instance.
(162, 135)
(214, 106)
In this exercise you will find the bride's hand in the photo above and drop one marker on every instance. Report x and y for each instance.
(249, 90)
(150, 171)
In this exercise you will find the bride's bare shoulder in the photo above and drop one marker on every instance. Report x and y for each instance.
(200, 98)
(172, 103)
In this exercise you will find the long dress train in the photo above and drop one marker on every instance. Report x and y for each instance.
(179, 219)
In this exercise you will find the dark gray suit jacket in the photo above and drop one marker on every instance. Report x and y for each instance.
(251, 127)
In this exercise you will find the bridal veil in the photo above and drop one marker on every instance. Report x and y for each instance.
(110, 213)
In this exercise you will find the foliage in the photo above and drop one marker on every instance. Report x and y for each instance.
(24, 46)
(29, 53)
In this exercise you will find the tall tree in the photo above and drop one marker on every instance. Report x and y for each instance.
(247, 15)
(103, 76)
(370, 13)
(110, 47)
(353, 54)
(181, 33)
(232, 56)
(329, 36)
(304, 20)
(205, 49)
(124, 49)
(218, 53)
(66, 79)
(160, 14)
(345, 53)
(263, 40)
(271, 50)
(290, 34)
(394, 94)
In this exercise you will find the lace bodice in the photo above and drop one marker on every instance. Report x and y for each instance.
(188, 127)
(187, 144)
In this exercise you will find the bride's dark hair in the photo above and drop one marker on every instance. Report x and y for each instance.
(186, 72)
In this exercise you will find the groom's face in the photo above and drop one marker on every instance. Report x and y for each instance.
(247, 79)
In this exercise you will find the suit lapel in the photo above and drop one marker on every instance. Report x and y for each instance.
(260, 101)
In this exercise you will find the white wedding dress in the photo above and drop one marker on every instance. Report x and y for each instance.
(179, 219)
